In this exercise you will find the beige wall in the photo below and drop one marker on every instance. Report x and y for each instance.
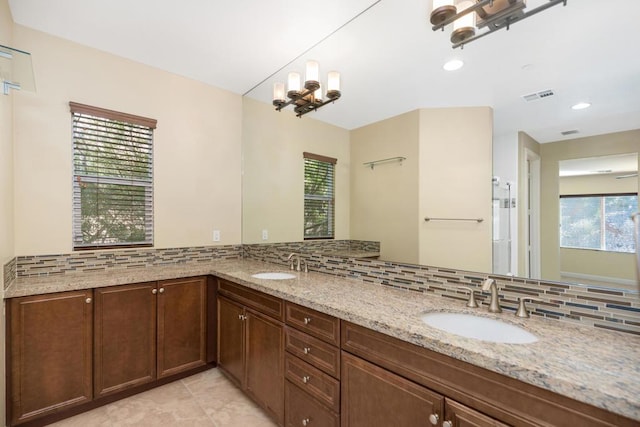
(455, 182)
(551, 154)
(6, 189)
(384, 200)
(273, 171)
(197, 145)
(596, 184)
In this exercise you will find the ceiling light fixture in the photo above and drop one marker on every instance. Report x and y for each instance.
(453, 65)
(493, 15)
(308, 98)
(581, 106)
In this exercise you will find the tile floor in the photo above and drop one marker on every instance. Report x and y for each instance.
(204, 399)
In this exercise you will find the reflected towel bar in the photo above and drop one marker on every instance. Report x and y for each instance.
(375, 162)
(454, 219)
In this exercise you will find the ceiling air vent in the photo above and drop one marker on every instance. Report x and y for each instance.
(569, 132)
(538, 95)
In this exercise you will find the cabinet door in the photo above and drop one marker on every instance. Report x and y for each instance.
(375, 397)
(50, 344)
(182, 332)
(125, 337)
(265, 363)
(459, 415)
(231, 339)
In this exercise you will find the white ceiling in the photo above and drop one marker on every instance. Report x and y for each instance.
(389, 58)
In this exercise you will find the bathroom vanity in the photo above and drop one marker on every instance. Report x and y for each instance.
(314, 349)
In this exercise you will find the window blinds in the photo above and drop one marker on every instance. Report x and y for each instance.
(319, 184)
(113, 178)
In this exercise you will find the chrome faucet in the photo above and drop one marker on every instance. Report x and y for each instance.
(494, 304)
(295, 261)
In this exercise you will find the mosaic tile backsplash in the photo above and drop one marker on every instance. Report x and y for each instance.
(97, 261)
(599, 307)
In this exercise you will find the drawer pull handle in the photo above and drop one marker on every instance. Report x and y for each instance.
(161, 290)
(307, 350)
(306, 421)
(447, 424)
(154, 291)
(307, 320)
(242, 317)
(433, 419)
(306, 379)
(88, 300)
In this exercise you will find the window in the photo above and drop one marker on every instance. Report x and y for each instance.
(112, 178)
(319, 203)
(600, 222)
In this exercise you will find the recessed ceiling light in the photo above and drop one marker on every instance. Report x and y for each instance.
(454, 64)
(581, 106)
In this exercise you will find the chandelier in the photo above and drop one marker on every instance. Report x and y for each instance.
(306, 98)
(486, 15)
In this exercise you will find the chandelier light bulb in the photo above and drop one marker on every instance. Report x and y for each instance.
(278, 92)
(312, 75)
(333, 84)
(293, 82)
(442, 10)
(464, 27)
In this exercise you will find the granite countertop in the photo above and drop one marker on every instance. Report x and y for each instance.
(598, 367)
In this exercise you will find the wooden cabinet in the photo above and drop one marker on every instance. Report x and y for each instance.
(231, 339)
(125, 337)
(372, 396)
(148, 331)
(459, 415)
(312, 367)
(49, 353)
(182, 331)
(474, 396)
(251, 345)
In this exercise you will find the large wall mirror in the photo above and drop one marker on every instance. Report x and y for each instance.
(472, 146)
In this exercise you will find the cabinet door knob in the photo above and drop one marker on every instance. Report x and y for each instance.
(307, 320)
(306, 379)
(88, 300)
(306, 350)
(306, 421)
(161, 290)
(433, 419)
(447, 424)
(154, 291)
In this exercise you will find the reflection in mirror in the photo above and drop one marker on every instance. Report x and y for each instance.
(598, 195)
(447, 179)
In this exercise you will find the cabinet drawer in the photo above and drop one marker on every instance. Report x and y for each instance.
(266, 304)
(302, 410)
(313, 381)
(318, 353)
(317, 324)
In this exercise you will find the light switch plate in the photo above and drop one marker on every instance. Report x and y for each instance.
(216, 235)
(265, 235)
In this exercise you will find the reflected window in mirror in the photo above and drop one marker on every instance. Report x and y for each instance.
(600, 222)
(319, 196)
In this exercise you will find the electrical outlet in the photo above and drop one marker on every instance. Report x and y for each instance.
(265, 235)
(216, 235)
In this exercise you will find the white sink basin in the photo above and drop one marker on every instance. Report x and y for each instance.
(274, 276)
(480, 328)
